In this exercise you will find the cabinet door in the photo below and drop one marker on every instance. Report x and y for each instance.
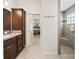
(19, 43)
(10, 51)
(19, 40)
(16, 19)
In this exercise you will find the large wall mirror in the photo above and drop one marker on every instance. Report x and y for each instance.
(6, 19)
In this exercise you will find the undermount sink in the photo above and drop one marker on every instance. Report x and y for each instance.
(6, 32)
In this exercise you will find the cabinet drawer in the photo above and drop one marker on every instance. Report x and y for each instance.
(9, 41)
(20, 36)
(20, 40)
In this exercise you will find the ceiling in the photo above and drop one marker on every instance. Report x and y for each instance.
(65, 4)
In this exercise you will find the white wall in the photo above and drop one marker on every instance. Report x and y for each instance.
(31, 7)
(49, 27)
(6, 4)
(9, 4)
(65, 4)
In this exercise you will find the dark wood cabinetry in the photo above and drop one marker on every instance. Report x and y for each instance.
(19, 43)
(18, 21)
(6, 19)
(10, 51)
(13, 46)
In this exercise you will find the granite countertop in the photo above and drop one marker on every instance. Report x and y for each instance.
(12, 34)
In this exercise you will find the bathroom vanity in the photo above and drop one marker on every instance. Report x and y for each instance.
(14, 32)
(13, 44)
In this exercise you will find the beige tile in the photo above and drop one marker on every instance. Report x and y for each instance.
(33, 52)
(65, 50)
(67, 56)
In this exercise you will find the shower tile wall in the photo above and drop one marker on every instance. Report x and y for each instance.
(66, 29)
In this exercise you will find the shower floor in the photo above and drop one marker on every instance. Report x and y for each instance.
(65, 50)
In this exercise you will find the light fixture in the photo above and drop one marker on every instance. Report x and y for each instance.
(5, 3)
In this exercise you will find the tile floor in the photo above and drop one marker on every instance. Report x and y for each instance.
(33, 52)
